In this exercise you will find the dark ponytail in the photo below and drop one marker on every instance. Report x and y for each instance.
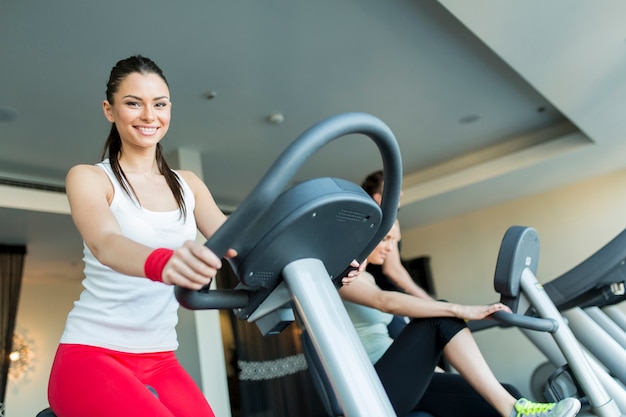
(113, 145)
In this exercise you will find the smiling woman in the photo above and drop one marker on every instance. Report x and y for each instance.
(138, 220)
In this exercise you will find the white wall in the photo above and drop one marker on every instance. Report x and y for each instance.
(573, 222)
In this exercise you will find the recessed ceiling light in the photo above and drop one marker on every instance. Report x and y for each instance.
(276, 118)
(470, 118)
(8, 114)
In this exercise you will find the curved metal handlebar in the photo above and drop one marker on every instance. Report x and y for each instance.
(286, 166)
(288, 163)
(526, 322)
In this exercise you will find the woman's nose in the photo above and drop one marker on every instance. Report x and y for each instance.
(147, 113)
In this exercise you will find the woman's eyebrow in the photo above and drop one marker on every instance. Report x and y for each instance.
(139, 98)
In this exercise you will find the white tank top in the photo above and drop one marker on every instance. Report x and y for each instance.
(125, 313)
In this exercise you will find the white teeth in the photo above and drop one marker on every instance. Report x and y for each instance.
(147, 129)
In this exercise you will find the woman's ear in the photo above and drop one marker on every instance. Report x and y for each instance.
(108, 112)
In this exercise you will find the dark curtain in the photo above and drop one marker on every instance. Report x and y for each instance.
(11, 265)
(419, 269)
(272, 379)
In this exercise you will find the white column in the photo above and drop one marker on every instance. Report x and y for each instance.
(208, 332)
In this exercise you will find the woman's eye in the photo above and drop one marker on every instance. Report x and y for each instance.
(161, 105)
(132, 104)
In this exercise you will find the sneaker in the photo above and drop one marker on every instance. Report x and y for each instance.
(568, 407)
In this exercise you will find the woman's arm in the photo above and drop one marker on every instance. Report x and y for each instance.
(90, 192)
(394, 269)
(397, 273)
(361, 291)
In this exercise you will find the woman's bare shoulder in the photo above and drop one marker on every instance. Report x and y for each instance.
(85, 176)
(196, 184)
(188, 176)
(83, 168)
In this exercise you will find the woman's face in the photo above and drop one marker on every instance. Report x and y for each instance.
(378, 256)
(141, 109)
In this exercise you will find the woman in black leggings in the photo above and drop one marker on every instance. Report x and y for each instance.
(447, 394)
(406, 366)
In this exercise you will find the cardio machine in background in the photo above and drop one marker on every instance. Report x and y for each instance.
(573, 370)
(589, 295)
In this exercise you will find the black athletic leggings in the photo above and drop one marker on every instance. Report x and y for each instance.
(406, 372)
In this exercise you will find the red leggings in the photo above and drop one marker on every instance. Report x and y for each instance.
(97, 382)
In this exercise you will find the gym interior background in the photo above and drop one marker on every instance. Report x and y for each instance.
(499, 71)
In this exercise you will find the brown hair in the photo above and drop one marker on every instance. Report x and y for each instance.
(373, 183)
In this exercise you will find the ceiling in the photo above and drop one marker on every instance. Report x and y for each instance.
(489, 100)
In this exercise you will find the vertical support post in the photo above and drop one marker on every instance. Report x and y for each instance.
(601, 403)
(352, 376)
(597, 341)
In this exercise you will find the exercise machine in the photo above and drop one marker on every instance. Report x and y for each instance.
(588, 296)
(295, 245)
(515, 280)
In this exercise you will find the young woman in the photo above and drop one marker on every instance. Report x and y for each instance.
(405, 365)
(138, 220)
